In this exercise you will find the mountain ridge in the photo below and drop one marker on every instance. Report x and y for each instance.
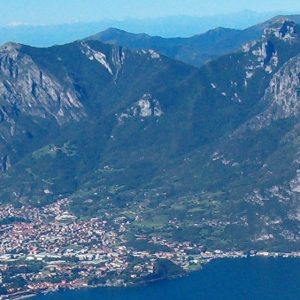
(195, 50)
(161, 138)
(39, 35)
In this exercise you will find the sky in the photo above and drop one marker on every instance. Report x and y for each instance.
(48, 12)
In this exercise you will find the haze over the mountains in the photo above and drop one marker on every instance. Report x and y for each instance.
(196, 50)
(174, 26)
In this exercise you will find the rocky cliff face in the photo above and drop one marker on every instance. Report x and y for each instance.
(30, 94)
(28, 89)
(282, 95)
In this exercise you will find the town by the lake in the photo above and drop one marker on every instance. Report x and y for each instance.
(47, 249)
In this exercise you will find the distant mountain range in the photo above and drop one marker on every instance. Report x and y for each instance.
(195, 50)
(183, 26)
(126, 129)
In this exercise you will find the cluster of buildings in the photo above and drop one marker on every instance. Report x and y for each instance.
(48, 248)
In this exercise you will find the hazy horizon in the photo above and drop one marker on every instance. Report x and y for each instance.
(182, 25)
(250, 14)
(173, 26)
(36, 12)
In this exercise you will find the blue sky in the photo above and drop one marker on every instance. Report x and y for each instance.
(65, 11)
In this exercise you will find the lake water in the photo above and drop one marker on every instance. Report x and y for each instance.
(229, 279)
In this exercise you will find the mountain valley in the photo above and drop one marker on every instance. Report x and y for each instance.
(156, 148)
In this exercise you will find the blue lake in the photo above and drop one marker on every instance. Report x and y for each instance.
(229, 279)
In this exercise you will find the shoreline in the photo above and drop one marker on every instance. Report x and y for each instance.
(267, 255)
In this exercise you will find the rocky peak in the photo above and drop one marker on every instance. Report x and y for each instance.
(282, 97)
(284, 90)
(9, 53)
(27, 88)
(10, 47)
(282, 29)
(279, 41)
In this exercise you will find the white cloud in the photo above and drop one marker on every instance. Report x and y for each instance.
(16, 24)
